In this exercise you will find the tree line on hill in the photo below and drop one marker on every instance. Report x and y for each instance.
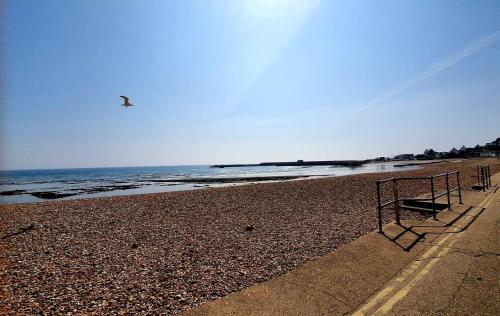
(491, 149)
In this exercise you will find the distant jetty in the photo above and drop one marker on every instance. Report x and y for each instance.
(342, 163)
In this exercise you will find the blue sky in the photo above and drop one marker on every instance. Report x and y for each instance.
(244, 81)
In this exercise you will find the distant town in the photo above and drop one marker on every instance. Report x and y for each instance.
(491, 149)
(488, 150)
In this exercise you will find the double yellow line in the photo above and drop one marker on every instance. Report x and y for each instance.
(387, 301)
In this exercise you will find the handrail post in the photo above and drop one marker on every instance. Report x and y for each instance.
(433, 198)
(489, 175)
(478, 177)
(448, 190)
(379, 207)
(486, 177)
(459, 188)
(396, 199)
(483, 178)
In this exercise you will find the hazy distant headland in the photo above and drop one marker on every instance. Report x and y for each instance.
(345, 163)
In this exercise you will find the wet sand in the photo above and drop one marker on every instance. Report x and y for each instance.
(165, 252)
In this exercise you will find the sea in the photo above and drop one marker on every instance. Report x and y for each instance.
(28, 186)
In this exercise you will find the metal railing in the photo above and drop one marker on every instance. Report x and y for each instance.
(434, 195)
(483, 177)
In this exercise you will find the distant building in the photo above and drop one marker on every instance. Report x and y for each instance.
(404, 157)
(441, 155)
(492, 149)
(494, 144)
(490, 154)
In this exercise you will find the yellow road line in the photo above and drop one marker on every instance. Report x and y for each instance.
(387, 306)
(405, 290)
(377, 299)
(400, 279)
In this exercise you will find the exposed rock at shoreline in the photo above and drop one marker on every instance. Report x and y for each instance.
(51, 194)
(107, 188)
(228, 179)
(169, 182)
(13, 192)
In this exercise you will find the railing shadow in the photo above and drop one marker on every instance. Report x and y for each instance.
(419, 236)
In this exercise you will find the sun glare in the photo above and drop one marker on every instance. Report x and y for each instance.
(269, 9)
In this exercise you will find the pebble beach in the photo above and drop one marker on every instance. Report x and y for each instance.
(167, 252)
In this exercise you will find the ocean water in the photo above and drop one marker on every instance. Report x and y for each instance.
(96, 182)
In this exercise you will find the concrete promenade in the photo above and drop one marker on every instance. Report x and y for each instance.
(448, 266)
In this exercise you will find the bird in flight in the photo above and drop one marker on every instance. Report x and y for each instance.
(126, 104)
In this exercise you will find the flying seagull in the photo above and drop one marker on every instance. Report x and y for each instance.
(125, 101)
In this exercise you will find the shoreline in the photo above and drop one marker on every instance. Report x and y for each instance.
(195, 187)
(197, 183)
(166, 252)
(37, 190)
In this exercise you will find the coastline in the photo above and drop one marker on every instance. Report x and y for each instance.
(39, 185)
(165, 252)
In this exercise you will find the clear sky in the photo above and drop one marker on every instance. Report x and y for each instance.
(219, 81)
